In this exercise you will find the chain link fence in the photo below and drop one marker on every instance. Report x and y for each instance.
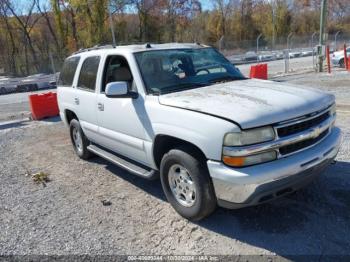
(24, 67)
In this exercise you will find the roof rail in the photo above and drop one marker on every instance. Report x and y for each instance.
(96, 47)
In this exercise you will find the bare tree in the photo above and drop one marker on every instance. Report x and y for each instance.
(12, 45)
(43, 9)
(26, 23)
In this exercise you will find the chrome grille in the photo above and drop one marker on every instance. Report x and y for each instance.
(301, 126)
(285, 150)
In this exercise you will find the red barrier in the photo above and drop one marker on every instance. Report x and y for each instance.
(43, 105)
(258, 71)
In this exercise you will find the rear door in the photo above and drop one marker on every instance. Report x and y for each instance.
(85, 96)
(65, 88)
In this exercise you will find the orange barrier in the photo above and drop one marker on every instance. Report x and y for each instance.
(258, 71)
(43, 105)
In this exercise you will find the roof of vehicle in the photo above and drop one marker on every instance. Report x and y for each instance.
(140, 47)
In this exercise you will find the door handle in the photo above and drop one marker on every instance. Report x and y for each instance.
(100, 106)
(76, 101)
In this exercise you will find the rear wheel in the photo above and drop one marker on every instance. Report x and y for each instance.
(79, 140)
(187, 184)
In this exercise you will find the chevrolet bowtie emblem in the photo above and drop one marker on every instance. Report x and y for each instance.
(316, 132)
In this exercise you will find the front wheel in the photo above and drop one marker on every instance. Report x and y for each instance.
(187, 184)
(79, 140)
(342, 63)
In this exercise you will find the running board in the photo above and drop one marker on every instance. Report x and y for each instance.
(131, 167)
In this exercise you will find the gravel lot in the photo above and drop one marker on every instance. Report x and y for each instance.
(67, 215)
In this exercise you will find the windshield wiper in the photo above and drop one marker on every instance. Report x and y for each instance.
(227, 78)
(183, 87)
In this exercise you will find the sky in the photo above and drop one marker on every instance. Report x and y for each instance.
(206, 4)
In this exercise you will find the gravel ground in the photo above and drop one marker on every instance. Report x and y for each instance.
(16, 105)
(67, 215)
(338, 83)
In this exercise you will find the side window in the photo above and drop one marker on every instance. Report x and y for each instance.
(88, 73)
(68, 70)
(116, 69)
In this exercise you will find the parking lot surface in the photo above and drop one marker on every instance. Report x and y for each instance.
(67, 215)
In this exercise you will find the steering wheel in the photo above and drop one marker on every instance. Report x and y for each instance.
(205, 70)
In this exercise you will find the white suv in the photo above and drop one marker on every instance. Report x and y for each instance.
(184, 112)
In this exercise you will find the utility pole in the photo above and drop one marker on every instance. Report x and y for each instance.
(111, 24)
(323, 22)
(273, 24)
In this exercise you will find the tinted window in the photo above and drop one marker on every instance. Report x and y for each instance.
(88, 73)
(68, 71)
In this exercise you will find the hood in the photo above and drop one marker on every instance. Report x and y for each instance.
(252, 102)
(339, 53)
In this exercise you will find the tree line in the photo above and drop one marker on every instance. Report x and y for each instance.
(33, 31)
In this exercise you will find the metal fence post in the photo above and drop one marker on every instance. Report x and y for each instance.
(286, 54)
(257, 46)
(312, 48)
(335, 40)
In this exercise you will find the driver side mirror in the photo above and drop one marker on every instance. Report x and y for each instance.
(119, 89)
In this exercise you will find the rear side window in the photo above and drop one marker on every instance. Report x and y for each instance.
(68, 71)
(88, 73)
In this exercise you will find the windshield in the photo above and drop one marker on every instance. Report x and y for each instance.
(165, 71)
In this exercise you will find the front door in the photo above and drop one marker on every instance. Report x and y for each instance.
(120, 118)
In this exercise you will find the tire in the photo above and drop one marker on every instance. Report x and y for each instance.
(33, 87)
(3, 91)
(79, 140)
(341, 63)
(178, 166)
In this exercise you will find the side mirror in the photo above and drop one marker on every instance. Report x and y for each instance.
(120, 89)
(116, 89)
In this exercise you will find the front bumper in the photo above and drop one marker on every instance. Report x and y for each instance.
(239, 187)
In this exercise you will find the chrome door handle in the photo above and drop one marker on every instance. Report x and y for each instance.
(76, 101)
(100, 106)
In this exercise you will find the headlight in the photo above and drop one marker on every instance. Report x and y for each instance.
(333, 109)
(241, 161)
(249, 137)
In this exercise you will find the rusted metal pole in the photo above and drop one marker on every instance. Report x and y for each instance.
(346, 62)
(328, 59)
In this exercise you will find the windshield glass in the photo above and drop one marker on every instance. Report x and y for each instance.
(165, 71)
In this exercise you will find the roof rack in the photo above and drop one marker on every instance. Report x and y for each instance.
(96, 47)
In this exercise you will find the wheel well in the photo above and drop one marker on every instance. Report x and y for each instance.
(70, 115)
(164, 143)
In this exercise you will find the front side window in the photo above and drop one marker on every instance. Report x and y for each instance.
(88, 73)
(116, 69)
(68, 71)
(165, 71)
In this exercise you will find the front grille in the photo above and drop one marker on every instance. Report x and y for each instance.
(299, 127)
(285, 150)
